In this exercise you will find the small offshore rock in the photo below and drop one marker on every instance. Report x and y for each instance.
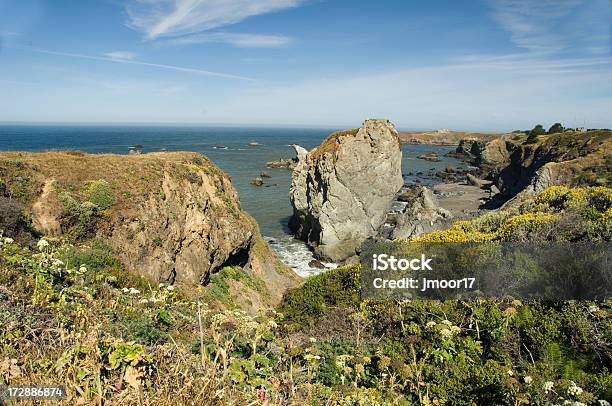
(432, 156)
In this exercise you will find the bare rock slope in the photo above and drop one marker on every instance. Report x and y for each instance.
(342, 190)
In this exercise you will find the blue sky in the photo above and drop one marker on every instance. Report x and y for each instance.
(473, 65)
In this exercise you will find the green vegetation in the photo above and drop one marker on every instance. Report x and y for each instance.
(556, 128)
(558, 213)
(72, 315)
(332, 141)
(534, 133)
(99, 193)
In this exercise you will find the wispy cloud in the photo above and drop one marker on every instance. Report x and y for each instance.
(172, 18)
(534, 25)
(235, 39)
(475, 93)
(107, 58)
(121, 55)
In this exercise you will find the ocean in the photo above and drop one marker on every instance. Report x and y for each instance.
(229, 149)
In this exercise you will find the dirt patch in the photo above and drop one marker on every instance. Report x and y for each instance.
(45, 211)
(461, 199)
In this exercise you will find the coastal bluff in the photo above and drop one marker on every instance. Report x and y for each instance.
(342, 189)
(173, 217)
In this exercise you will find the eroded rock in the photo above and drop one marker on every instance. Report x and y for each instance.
(420, 215)
(341, 190)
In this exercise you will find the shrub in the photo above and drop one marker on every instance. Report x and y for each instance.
(100, 193)
(78, 220)
(556, 128)
(338, 287)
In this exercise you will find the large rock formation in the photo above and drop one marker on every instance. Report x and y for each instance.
(174, 217)
(484, 152)
(341, 190)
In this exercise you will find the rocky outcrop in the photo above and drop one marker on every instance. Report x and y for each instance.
(418, 214)
(341, 190)
(523, 169)
(551, 174)
(432, 156)
(191, 229)
(174, 217)
(282, 163)
(474, 181)
(484, 152)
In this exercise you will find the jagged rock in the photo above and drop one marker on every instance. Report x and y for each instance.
(474, 181)
(341, 190)
(264, 174)
(484, 152)
(257, 181)
(315, 263)
(551, 174)
(421, 215)
(282, 163)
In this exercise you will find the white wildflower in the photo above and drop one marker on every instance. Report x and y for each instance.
(312, 339)
(311, 357)
(134, 291)
(82, 268)
(528, 379)
(57, 262)
(510, 373)
(8, 240)
(430, 324)
(143, 301)
(547, 387)
(170, 287)
(161, 285)
(125, 290)
(593, 308)
(42, 244)
(447, 322)
(455, 330)
(574, 390)
(446, 333)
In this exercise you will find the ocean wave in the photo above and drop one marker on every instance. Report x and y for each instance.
(297, 256)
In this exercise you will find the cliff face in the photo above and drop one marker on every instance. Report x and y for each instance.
(174, 217)
(342, 189)
(520, 169)
(571, 159)
(484, 152)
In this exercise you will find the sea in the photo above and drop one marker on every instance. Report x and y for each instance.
(232, 149)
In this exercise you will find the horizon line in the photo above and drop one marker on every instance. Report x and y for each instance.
(229, 125)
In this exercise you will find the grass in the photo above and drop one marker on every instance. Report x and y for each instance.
(113, 337)
(332, 142)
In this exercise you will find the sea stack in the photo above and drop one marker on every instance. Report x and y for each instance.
(342, 189)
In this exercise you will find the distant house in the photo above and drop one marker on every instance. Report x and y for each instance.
(581, 129)
(443, 131)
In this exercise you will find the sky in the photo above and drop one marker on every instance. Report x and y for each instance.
(484, 65)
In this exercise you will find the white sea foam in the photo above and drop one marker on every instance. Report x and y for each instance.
(296, 255)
